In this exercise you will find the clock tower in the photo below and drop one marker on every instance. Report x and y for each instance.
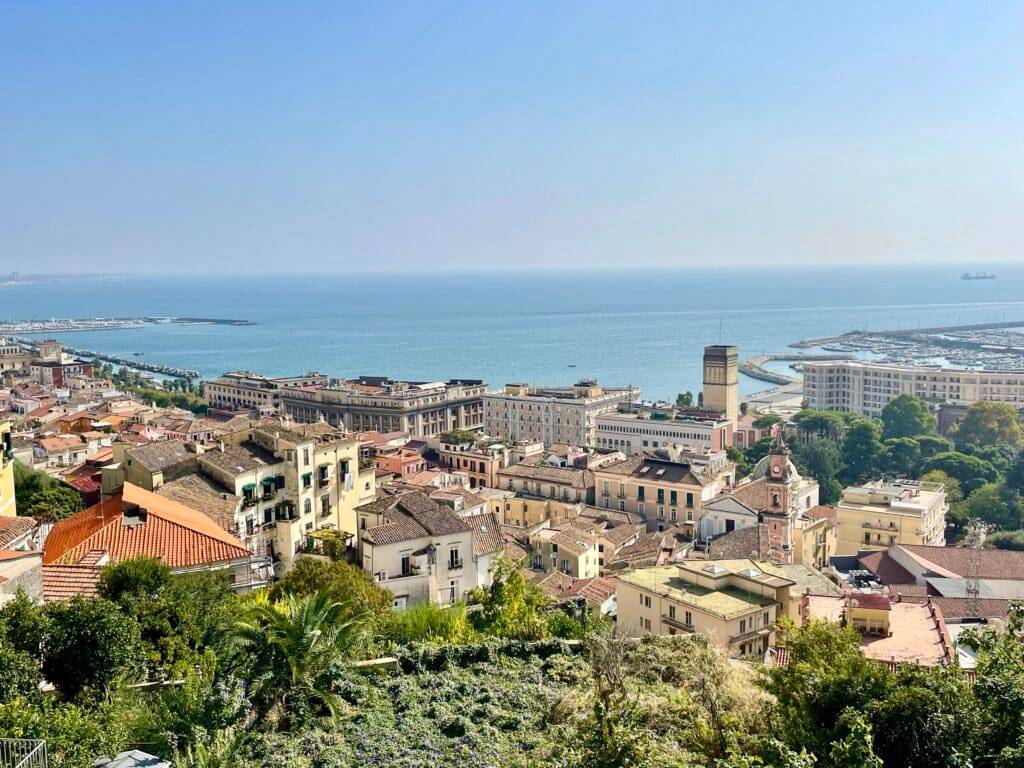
(777, 477)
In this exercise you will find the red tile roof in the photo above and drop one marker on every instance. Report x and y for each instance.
(13, 528)
(180, 536)
(886, 569)
(63, 582)
(994, 563)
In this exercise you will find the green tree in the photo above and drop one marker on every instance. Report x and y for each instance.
(758, 450)
(990, 423)
(290, 651)
(55, 503)
(737, 457)
(19, 673)
(969, 471)
(907, 416)
(929, 445)
(821, 460)
(684, 399)
(614, 735)
(136, 577)
(900, 457)
(344, 583)
(90, 645)
(827, 673)
(511, 606)
(428, 623)
(1012, 540)
(766, 421)
(856, 748)
(827, 425)
(24, 625)
(952, 485)
(995, 504)
(860, 451)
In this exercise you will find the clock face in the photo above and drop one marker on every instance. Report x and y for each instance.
(776, 470)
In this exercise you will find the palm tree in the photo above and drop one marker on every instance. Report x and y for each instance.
(288, 651)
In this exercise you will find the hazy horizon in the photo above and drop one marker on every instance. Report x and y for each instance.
(320, 138)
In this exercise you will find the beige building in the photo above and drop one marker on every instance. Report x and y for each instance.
(520, 511)
(539, 477)
(735, 610)
(722, 380)
(422, 551)
(567, 550)
(7, 502)
(882, 513)
(664, 493)
(377, 403)
(638, 430)
(866, 388)
(552, 414)
(245, 390)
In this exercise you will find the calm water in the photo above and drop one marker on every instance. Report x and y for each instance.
(641, 328)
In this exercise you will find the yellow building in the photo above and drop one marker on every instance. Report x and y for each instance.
(528, 511)
(735, 609)
(567, 550)
(879, 514)
(7, 501)
(815, 537)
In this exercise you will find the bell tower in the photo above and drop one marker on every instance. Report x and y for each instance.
(777, 477)
(722, 380)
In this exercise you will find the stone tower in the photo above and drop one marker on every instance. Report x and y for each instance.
(722, 380)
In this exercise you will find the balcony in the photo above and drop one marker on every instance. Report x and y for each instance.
(456, 566)
(676, 623)
(892, 527)
(23, 753)
(750, 635)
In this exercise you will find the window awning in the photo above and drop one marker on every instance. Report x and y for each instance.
(249, 487)
(268, 481)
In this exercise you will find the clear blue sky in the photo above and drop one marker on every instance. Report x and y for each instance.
(249, 136)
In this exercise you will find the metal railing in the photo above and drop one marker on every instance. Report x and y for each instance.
(22, 753)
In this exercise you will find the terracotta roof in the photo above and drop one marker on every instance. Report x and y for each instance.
(201, 493)
(158, 456)
(239, 459)
(994, 563)
(753, 541)
(13, 528)
(821, 512)
(960, 607)
(84, 484)
(874, 600)
(180, 536)
(63, 582)
(754, 494)
(487, 537)
(59, 443)
(532, 469)
(885, 568)
(595, 591)
(17, 554)
(409, 516)
(648, 469)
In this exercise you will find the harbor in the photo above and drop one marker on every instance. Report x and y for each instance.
(74, 325)
(168, 371)
(979, 346)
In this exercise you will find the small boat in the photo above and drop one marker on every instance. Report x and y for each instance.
(138, 354)
(572, 365)
(977, 276)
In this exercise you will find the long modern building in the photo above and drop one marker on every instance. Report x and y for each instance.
(552, 414)
(636, 430)
(381, 404)
(866, 388)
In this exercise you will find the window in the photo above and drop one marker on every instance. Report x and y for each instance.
(766, 618)
(325, 505)
(566, 567)
(622, 506)
(406, 565)
(640, 509)
(672, 499)
(640, 493)
(743, 626)
(671, 611)
(689, 499)
(661, 513)
(307, 507)
(604, 488)
(398, 604)
(672, 514)
(305, 457)
(688, 619)
(454, 561)
(689, 515)
(645, 600)
(646, 623)
(661, 495)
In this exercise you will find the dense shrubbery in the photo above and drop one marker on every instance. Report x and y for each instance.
(255, 681)
(42, 497)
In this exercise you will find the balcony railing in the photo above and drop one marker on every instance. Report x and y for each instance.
(677, 623)
(881, 526)
(750, 634)
(22, 753)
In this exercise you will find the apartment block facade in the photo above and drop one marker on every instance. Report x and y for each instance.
(552, 415)
(639, 430)
(881, 514)
(380, 404)
(866, 388)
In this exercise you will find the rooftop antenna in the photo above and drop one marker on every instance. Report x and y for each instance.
(975, 541)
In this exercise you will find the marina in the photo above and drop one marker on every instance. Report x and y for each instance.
(127, 362)
(73, 325)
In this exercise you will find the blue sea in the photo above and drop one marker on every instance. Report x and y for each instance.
(645, 328)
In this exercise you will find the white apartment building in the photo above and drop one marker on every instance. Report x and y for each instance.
(552, 415)
(641, 431)
(866, 388)
(243, 390)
